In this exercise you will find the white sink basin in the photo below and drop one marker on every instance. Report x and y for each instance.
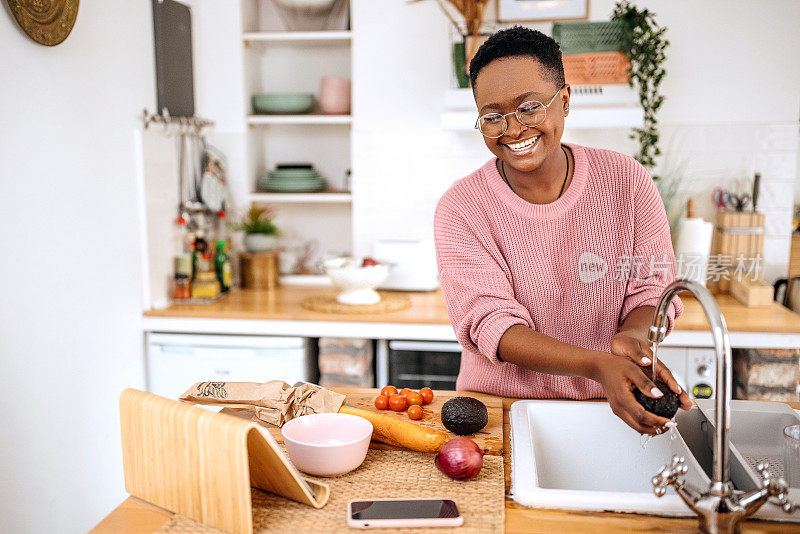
(580, 456)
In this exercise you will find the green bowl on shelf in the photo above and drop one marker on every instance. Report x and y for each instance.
(279, 175)
(298, 187)
(283, 103)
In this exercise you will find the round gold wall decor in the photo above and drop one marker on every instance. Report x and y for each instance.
(48, 22)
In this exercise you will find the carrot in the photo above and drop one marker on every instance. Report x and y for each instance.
(393, 431)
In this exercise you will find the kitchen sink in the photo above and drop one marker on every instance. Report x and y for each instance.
(580, 456)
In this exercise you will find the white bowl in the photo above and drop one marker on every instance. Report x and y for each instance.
(357, 283)
(327, 444)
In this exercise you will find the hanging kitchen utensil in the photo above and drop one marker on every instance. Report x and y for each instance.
(182, 215)
(213, 184)
(189, 169)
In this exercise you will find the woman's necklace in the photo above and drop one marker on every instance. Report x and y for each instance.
(503, 171)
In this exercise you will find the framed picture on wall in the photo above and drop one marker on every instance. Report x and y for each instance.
(533, 10)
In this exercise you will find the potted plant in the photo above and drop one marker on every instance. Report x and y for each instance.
(261, 234)
(644, 43)
(471, 12)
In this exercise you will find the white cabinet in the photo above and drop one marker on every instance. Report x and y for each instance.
(176, 361)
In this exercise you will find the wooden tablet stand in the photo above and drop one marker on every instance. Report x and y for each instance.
(201, 464)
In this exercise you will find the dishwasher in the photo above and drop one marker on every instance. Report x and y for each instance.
(176, 361)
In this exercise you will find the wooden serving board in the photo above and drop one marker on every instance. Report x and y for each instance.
(490, 437)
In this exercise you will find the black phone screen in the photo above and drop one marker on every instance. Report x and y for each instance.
(411, 509)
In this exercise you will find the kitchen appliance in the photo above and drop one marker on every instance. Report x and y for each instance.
(416, 364)
(414, 264)
(176, 361)
(787, 292)
(692, 368)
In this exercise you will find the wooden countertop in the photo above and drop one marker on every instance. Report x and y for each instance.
(428, 308)
(135, 516)
(283, 304)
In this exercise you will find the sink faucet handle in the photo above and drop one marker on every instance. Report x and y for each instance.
(668, 475)
(777, 487)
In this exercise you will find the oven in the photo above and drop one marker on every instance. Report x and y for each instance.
(417, 364)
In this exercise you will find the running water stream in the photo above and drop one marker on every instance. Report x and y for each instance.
(655, 359)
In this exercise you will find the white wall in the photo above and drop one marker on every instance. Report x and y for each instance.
(732, 100)
(71, 300)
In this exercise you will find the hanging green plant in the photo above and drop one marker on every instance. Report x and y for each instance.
(644, 43)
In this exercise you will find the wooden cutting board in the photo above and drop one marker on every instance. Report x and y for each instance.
(490, 437)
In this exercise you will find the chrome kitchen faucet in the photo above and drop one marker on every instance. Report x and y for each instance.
(720, 508)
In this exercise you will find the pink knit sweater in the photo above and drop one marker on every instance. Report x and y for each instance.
(572, 269)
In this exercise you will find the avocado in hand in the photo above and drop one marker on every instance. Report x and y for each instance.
(665, 406)
(464, 415)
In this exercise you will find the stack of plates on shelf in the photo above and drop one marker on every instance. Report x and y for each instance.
(294, 178)
(283, 103)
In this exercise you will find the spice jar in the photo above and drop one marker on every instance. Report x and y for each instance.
(181, 287)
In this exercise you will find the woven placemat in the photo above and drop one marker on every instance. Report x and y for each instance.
(384, 474)
(390, 302)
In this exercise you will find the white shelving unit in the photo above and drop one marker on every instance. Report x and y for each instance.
(265, 120)
(321, 197)
(276, 60)
(278, 36)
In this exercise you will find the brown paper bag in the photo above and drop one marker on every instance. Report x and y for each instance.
(273, 402)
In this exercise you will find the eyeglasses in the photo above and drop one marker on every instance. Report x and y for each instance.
(531, 113)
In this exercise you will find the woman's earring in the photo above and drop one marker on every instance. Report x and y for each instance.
(566, 110)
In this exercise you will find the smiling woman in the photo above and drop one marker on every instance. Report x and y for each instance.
(551, 255)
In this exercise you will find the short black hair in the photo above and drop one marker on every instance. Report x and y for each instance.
(519, 41)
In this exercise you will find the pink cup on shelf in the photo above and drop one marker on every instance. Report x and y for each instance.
(334, 96)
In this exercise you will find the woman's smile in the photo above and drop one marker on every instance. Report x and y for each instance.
(522, 148)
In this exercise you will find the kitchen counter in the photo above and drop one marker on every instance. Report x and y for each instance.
(135, 516)
(278, 312)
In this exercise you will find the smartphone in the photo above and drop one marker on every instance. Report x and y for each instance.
(381, 513)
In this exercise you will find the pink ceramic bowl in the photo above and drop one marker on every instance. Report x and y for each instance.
(327, 444)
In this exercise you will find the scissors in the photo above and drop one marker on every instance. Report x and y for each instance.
(721, 198)
(724, 199)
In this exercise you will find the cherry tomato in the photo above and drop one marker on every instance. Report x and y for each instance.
(414, 398)
(415, 412)
(388, 391)
(397, 403)
(381, 402)
(369, 262)
(405, 391)
(427, 395)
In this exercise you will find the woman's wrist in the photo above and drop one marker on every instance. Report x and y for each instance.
(590, 363)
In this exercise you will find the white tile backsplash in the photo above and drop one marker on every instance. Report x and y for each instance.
(775, 196)
(777, 166)
(783, 136)
(777, 222)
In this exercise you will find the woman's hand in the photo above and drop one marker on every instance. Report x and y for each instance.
(637, 350)
(619, 377)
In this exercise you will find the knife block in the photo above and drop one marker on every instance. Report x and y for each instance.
(201, 464)
(737, 234)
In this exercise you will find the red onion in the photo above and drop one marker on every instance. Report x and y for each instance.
(460, 459)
